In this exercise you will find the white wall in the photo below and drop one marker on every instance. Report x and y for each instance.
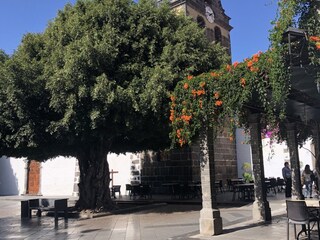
(57, 176)
(122, 164)
(12, 176)
(274, 155)
(243, 150)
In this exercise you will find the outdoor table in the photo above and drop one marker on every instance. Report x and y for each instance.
(141, 190)
(174, 188)
(195, 190)
(245, 191)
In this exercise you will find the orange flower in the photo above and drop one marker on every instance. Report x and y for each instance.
(189, 77)
(181, 141)
(243, 82)
(256, 57)
(216, 95)
(202, 84)
(250, 63)
(228, 68)
(172, 98)
(186, 86)
(178, 133)
(318, 45)
(235, 64)
(213, 74)
(231, 138)
(200, 92)
(218, 103)
(314, 38)
(254, 69)
(171, 115)
(186, 118)
(200, 104)
(194, 92)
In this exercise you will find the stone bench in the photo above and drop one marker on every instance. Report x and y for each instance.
(45, 205)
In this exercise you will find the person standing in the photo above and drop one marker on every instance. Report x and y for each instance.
(307, 179)
(286, 174)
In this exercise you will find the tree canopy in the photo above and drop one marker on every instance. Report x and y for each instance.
(98, 81)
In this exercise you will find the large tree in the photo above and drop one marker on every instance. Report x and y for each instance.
(98, 81)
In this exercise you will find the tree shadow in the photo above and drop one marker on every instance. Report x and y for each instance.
(8, 179)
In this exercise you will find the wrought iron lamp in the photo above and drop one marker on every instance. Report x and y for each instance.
(297, 47)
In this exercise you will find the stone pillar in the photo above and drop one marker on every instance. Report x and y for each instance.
(210, 219)
(26, 175)
(40, 176)
(294, 160)
(260, 209)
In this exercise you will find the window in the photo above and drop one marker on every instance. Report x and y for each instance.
(210, 34)
(201, 22)
(217, 35)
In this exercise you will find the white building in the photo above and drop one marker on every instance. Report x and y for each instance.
(60, 176)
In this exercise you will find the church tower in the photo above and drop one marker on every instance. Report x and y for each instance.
(182, 165)
(209, 14)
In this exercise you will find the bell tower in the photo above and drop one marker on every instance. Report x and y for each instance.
(209, 14)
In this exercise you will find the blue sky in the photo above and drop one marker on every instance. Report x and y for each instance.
(250, 19)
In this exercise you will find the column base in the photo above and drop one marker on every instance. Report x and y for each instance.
(210, 222)
(261, 211)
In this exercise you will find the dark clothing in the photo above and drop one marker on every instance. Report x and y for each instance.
(286, 173)
(288, 187)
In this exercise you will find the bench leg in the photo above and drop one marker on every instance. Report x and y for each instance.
(25, 211)
(39, 212)
(56, 216)
(66, 215)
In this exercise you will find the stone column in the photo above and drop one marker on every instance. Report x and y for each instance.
(210, 219)
(260, 208)
(40, 179)
(26, 176)
(294, 160)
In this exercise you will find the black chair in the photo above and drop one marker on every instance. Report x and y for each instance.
(272, 185)
(145, 191)
(298, 214)
(219, 185)
(115, 189)
(175, 191)
(128, 189)
(281, 184)
(135, 191)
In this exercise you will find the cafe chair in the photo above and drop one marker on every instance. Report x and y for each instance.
(128, 189)
(115, 189)
(298, 214)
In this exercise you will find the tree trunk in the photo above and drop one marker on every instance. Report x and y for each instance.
(94, 192)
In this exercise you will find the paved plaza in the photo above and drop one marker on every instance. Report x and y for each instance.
(152, 222)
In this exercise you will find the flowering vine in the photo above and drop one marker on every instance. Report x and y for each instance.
(219, 96)
(260, 83)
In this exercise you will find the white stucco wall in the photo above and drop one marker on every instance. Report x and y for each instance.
(57, 176)
(122, 164)
(243, 150)
(274, 155)
(12, 176)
